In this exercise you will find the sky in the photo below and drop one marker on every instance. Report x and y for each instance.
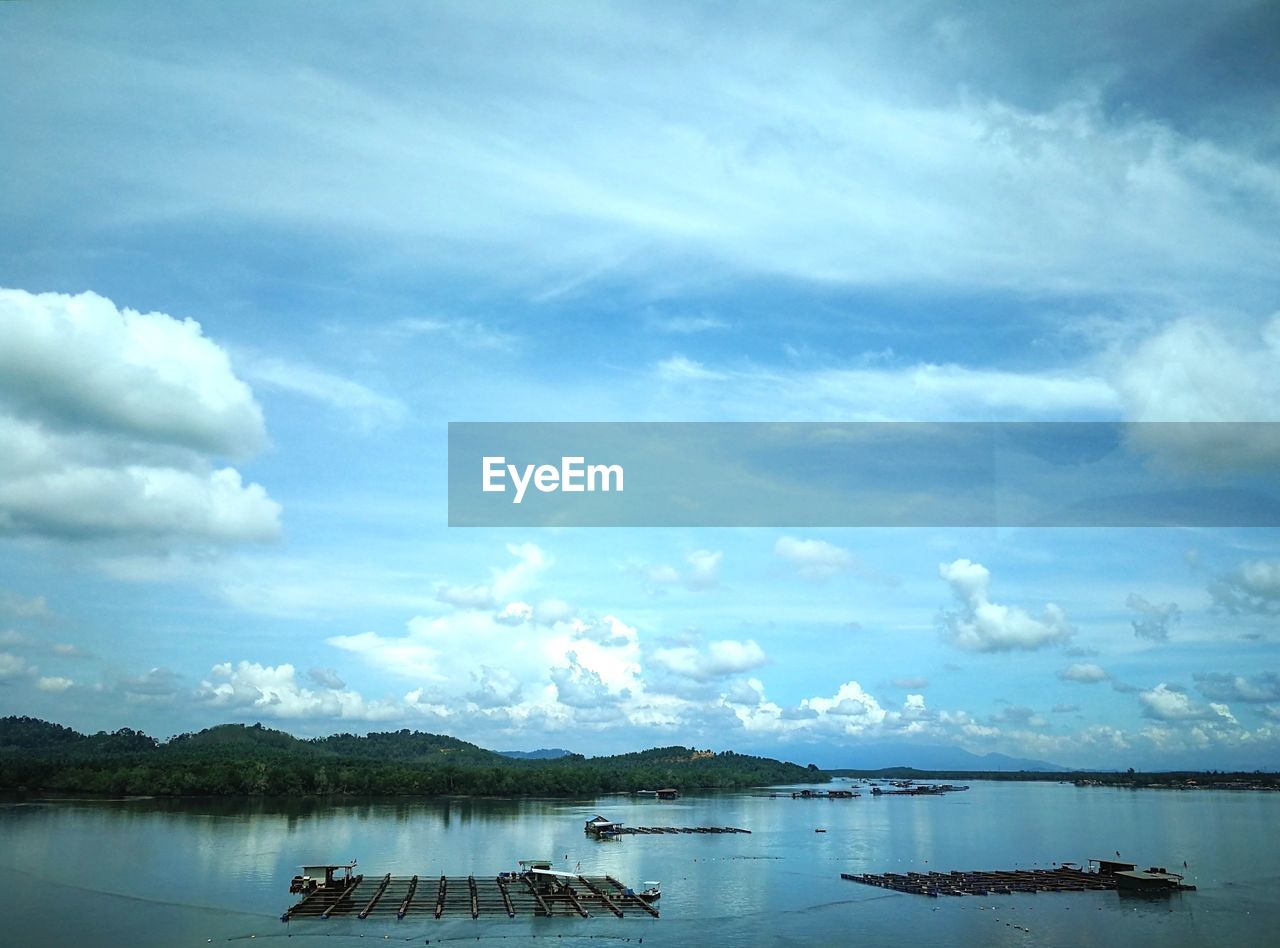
(256, 258)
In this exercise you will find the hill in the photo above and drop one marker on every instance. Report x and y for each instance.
(237, 760)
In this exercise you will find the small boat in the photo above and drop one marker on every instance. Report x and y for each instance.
(651, 892)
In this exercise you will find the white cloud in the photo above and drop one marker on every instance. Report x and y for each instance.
(80, 362)
(1253, 588)
(111, 420)
(816, 559)
(985, 626)
(466, 597)
(274, 692)
(704, 569)
(700, 573)
(719, 659)
(55, 684)
(1086, 673)
(13, 666)
(679, 368)
(1169, 704)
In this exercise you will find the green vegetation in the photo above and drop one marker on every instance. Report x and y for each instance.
(1172, 779)
(240, 760)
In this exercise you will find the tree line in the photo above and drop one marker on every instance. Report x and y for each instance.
(250, 760)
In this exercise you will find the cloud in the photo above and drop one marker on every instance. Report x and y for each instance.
(678, 368)
(985, 626)
(704, 569)
(274, 692)
(701, 572)
(851, 709)
(13, 667)
(466, 597)
(1166, 703)
(1253, 588)
(683, 325)
(1224, 686)
(112, 420)
(1154, 619)
(462, 332)
(580, 687)
(815, 559)
(718, 660)
(54, 684)
(1085, 673)
(911, 684)
(156, 686)
(326, 678)
(369, 409)
(21, 607)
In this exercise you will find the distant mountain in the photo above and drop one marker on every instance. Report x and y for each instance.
(918, 757)
(542, 753)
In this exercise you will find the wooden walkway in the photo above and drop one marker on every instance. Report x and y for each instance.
(1007, 882)
(421, 897)
(655, 830)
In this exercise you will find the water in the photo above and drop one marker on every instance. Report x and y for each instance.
(169, 873)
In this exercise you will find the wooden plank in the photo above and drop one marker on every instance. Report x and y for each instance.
(599, 893)
(444, 884)
(475, 901)
(506, 898)
(382, 887)
(345, 892)
(404, 906)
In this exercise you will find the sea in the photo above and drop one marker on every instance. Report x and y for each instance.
(171, 873)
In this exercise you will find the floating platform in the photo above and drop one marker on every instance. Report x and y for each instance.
(1000, 882)
(601, 828)
(655, 830)
(532, 895)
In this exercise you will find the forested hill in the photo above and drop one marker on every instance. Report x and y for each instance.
(239, 760)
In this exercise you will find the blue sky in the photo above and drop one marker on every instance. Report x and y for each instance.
(256, 260)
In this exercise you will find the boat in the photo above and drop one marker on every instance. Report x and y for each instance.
(651, 892)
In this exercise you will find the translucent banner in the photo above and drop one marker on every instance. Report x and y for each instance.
(864, 474)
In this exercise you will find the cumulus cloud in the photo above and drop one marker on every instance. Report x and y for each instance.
(984, 626)
(1086, 673)
(274, 692)
(851, 708)
(1154, 619)
(1169, 703)
(55, 684)
(717, 660)
(1253, 588)
(112, 420)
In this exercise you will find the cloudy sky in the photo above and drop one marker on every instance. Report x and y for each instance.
(256, 258)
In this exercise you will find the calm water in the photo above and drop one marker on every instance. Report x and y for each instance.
(171, 874)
